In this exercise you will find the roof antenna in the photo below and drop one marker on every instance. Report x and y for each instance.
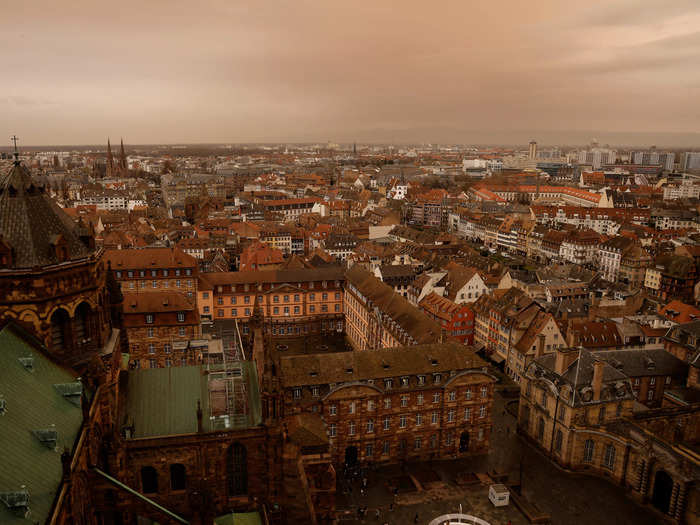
(15, 139)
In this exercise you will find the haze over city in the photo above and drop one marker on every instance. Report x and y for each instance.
(627, 72)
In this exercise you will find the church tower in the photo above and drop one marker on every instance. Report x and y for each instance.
(110, 161)
(122, 159)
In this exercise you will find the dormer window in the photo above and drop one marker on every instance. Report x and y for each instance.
(149, 318)
(388, 383)
(404, 381)
(437, 378)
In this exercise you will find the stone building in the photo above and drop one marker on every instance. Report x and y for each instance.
(158, 327)
(377, 317)
(394, 404)
(579, 409)
(294, 301)
(53, 280)
(149, 269)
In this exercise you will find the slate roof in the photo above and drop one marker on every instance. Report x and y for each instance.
(30, 222)
(638, 363)
(32, 403)
(341, 367)
(414, 322)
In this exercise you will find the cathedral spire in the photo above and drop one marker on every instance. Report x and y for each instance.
(110, 159)
(122, 157)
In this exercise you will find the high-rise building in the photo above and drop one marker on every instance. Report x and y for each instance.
(532, 152)
(690, 160)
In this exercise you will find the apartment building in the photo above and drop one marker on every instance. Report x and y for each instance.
(377, 317)
(152, 269)
(293, 301)
(159, 326)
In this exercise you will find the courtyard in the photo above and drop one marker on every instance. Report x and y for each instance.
(428, 490)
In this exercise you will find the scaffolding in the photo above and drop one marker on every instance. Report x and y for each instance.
(227, 383)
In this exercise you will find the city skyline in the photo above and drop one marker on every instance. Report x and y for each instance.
(366, 73)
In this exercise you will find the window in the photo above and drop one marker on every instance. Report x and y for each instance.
(484, 391)
(130, 273)
(149, 480)
(312, 308)
(467, 414)
(468, 394)
(388, 384)
(296, 309)
(237, 469)
(609, 458)
(419, 399)
(234, 312)
(370, 426)
(650, 395)
(540, 430)
(417, 444)
(419, 419)
(558, 438)
(166, 348)
(652, 381)
(247, 312)
(387, 423)
(151, 348)
(480, 435)
(206, 309)
(370, 405)
(369, 450)
(436, 397)
(149, 318)
(434, 418)
(668, 380)
(588, 448)
(332, 410)
(296, 298)
(312, 296)
(404, 401)
(562, 413)
(297, 393)
(220, 312)
(387, 403)
(332, 430)
(601, 414)
(421, 380)
(177, 476)
(636, 381)
(351, 428)
(151, 332)
(276, 310)
(286, 298)
(177, 283)
(246, 299)
(437, 378)
(351, 407)
(276, 299)
(181, 317)
(386, 448)
(451, 416)
(404, 381)
(482, 411)
(433, 441)
(233, 299)
(314, 391)
(324, 296)
(402, 422)
(452, 395)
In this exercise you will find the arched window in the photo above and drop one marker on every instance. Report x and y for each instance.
(525, 420)
(149, 480)
(178, 477)
(81, 323)
(540, 429)
(237, 470)
(558, 438)
(59, 329)
(609, 459)
(588, 448)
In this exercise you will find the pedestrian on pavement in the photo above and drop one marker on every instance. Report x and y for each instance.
(377, 513)
(415, 518)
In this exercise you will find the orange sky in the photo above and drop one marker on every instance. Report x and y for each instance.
(242, 71)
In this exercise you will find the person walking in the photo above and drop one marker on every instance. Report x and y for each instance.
(415, 518)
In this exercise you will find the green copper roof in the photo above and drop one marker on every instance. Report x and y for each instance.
(36, 411)
(163, 401)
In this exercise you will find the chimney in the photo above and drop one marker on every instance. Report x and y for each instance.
(539, 351)
(563, 359)
(597, 379)
(199, 416)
